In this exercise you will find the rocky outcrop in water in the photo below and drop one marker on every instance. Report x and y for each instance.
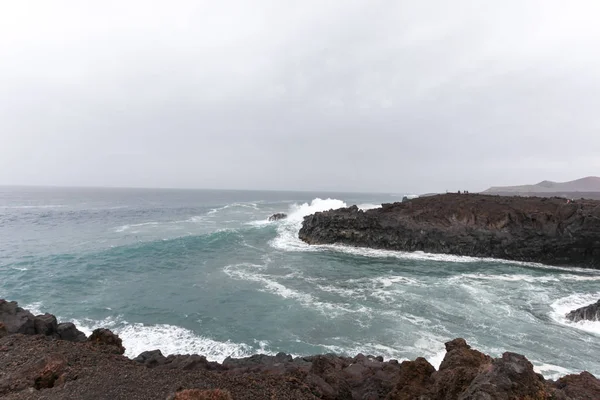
(546, 230)
(589, 313)
(38, 366)
(277, 217)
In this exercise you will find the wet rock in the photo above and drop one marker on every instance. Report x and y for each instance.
(545, 230)
(15, 319)
(509, 377)
(68, 331)
(104, 337)
(151, 358)
(45, 324)
(277, 217)
(588, 313)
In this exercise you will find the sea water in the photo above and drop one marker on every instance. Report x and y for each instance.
(204, 271)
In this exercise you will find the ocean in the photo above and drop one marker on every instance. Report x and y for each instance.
(204, 271)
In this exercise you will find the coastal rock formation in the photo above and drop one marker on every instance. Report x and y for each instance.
(590, 313)
(546, 230)
(277, 216)
(42, 367)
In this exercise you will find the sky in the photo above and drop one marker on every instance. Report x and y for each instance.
(345, 95)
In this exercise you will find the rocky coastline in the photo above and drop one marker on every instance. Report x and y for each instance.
(39, 361)
(553, 231)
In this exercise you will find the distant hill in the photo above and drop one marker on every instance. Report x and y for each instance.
(584, 187)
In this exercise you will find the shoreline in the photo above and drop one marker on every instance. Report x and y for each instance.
(47, 360)
(539, 230)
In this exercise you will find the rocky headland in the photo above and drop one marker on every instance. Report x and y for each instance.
(587, 313)
(39, 362)
(552, 231)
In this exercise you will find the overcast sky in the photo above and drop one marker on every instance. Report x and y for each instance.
(342, 95)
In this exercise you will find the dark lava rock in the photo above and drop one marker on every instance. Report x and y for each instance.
(65, 370)
(584, 386)
(509, 377)
(277, 217)
(15, 319)
(151, 358)
(458, 369)
(68, 331)
(45, 324)
(545, 230)
(590, 313)
(104, 337)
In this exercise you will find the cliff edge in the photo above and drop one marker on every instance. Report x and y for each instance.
(552, 231)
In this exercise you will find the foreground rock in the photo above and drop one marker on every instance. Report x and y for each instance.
(14, 319)
(546, 230)
(277, 217)
(589, 313)
(40, 366)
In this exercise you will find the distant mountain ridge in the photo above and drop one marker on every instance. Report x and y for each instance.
(584, 185)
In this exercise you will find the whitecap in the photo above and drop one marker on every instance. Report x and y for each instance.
(253, 273)
(561, 307)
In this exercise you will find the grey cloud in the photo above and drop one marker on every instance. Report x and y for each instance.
(353, 95)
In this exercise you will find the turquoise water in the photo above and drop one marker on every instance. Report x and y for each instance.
(197, 271)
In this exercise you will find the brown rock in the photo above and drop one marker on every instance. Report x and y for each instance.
(458, 369)
(509, 377)
(104, 337)
(414, 380)
(584, 386)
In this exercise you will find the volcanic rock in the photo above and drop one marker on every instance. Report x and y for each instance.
(15, 319)
(546, 230)
(104, 337)
(45, 324)
(589, 313)
(277, 217)
(68, 331)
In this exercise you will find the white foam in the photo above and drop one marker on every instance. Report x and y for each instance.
(550, 371)
(254, 273)
(561, 307)
(124, 228)
(287, 230)
(507, 278)
(169, 339)
(368, 206)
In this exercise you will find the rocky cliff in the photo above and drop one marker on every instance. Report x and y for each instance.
(547, 230)
(41, 365)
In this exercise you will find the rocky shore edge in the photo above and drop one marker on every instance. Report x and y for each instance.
(42, 359)
(553, 231)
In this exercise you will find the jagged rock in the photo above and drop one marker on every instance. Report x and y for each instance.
(68, 331)
(590, 313)
(105, 337)
(545, 230)
(277, 216)
(413, 381)
(3, 330)
(460, 366)
(509, 377)
(15, 319)
(583, 386)
(45, 324)
(151, 358)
